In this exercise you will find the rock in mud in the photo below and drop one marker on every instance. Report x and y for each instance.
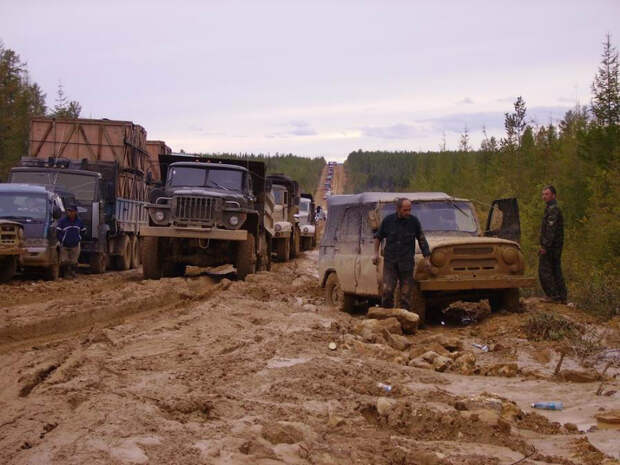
(371, 329)
(429, 356)
(385, 405)
(508, 370)
(465, 364)
(310, 307)
(441, 363)
(578, 376)
(396, 341)
(451, 343)
(282, 433)
(408, 320)
(612, 417)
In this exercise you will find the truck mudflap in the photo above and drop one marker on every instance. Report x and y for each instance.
(194, 233)
(467, 284)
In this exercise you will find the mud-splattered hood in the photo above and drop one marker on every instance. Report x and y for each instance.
(442, 240)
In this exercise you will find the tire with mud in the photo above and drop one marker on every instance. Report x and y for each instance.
(52, 272)
(335, 297)
(8, 268)
(264, 258)
(152, 266)
(507, 299)
(283, 249)
(295, 244)
(123, 261)
(246, 257)
(135, 252)
(98, 262)
(173, 270)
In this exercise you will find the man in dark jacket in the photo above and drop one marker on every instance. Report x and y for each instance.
(550, 252)
(69, 232)
(400, 231)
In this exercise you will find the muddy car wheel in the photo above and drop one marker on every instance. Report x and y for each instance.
(335, 297)
(507, 299)
(173, 270)
(246, 257)
(123, 261)
(135, 252)
(151, 259)
(8, 268)
(52, 272)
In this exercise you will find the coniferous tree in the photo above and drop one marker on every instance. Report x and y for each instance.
(606, 88)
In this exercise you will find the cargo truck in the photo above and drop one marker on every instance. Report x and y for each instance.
(103, 164)
(287, 238)
(208, 212)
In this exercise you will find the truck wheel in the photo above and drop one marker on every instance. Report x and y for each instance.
(135, 252)
(264, 259)
(246, 257)
(295, 246)
(507, 299)
(152, 266)
(123, 261)
(335, 297)
(98, 262)
(8, 268)
(283, 249)
(52, 272)
(173, 270)
(418, 304)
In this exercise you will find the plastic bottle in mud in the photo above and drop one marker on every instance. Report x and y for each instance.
(385, 387)
(548, 405)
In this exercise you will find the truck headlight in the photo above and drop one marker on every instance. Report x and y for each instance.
(160, 215)
(510, 255)
(305, 229)
(438, 258)
(233, 220)
(278, 227)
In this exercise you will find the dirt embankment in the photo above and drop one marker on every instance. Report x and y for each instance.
(207, 371)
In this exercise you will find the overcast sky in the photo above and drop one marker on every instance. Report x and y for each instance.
(313, 77)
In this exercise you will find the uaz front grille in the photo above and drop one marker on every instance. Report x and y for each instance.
(190, 209)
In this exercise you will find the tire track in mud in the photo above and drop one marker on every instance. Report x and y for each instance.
(63, 307)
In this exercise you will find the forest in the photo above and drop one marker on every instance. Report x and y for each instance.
(579, 156)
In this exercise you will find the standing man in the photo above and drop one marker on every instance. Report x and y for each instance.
(550, 252)
(69, 232)
(400, 231)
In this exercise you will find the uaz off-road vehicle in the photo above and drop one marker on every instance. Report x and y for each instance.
(467, 264)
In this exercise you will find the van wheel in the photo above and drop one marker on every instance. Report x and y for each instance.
(418, 304)
(135, 252)
(283, 249)
(8, 268)
(335, 297)
(123, 261)
(52, 272)
(246, 257)
(507, 299)
(151, 259)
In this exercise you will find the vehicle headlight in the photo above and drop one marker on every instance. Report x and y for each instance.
(278, 227)
(305, 229)
(510, 255)
(233, 220)
(438, 258)
(160, 215)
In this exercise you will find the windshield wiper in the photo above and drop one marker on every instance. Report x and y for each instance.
(453, 203)
(217, 185)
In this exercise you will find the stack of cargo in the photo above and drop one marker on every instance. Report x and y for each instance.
(155, 148)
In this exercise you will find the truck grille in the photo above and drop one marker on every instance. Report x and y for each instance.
(473, 258)
(191, 209)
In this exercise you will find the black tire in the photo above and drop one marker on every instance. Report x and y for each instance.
(335, 297)
(152, 266)
(295, 244)
(173, 270)
(98, 262)
(264, 258)
(52, 272)
(246, 257)
(135, 252)
(418, 304)
(123, 261)
(507, 299)
(8, 268)
(283, 249)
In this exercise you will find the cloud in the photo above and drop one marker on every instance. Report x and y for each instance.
(395, 131)
(465, 101)
(295, 128)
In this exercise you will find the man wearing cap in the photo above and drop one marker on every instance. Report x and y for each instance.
(69, 232)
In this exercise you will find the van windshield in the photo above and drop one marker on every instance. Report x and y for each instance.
(80, 185)
(441, 215)
(23, 206)
(219, 178)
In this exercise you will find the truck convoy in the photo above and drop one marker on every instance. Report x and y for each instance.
(103, 164)
(287, 239)
(208, 212)
(307, 226)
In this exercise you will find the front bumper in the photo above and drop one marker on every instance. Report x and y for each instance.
(194, 233)
(457, 284)
(36, 257)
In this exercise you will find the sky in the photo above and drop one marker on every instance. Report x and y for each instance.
(313, 78)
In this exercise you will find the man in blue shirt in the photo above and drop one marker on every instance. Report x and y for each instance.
(400, 231)
(69, 232)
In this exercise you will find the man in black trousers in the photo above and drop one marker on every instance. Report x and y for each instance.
(550, 252)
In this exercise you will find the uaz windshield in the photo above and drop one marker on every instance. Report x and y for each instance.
(82, 186)
(219, 178)
(23, 206)
(441, 215)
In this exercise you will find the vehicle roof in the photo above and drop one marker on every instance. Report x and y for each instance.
(197, 164)
(24, 188)
(373, 197)
(56, 169)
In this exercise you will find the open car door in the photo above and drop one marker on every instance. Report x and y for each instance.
(503, 220)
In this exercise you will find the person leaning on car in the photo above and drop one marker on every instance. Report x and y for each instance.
(400, 231)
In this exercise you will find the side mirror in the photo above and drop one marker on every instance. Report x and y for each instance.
(56, 212)
(373, 220)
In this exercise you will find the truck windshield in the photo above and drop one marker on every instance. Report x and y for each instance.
(304, 206)
(185, 176)
(441, 215)
(80, 185)
(23, 206)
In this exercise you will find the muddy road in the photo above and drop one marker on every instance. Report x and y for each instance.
(111, 369)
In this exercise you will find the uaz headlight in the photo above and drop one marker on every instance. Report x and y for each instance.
(233, 220)
(160, 215)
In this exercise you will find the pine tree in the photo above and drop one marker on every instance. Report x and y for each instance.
(515, 124)
(65, 108)
(464, 145)
(606, 89)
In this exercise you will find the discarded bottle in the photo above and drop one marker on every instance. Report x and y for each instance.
(548, 405)
(385, 387)
(483, 348)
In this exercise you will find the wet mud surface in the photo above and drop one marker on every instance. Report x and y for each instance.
(111, 369)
